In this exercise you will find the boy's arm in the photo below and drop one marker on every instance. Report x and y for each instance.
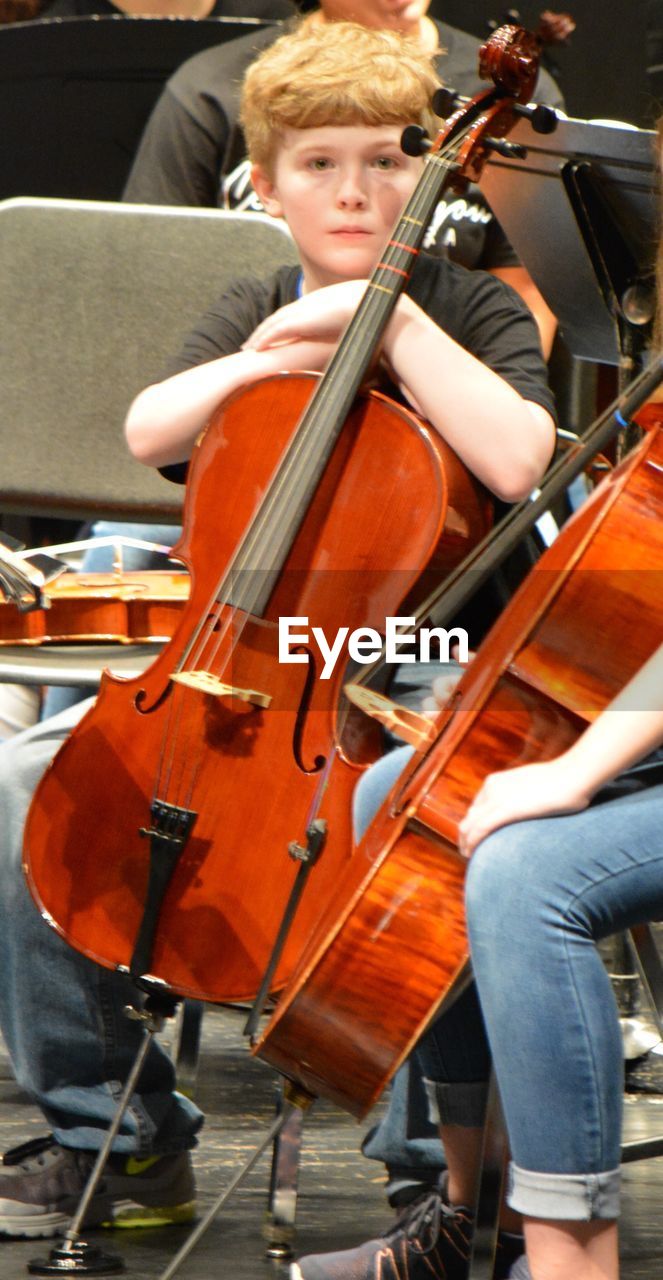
(165, 419)
(628, 729)
(505, 440)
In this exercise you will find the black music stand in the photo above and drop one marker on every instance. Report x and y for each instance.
(581, 212)
(75, 95)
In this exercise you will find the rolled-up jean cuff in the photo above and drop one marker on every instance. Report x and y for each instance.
(571, 1197)
(463, 1104)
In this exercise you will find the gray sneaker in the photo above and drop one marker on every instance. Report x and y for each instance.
(41, 1184)
(429, 1241)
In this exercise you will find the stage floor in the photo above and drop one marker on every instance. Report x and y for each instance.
(341, 1199)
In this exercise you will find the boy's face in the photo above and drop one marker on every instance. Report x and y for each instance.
(340, 189)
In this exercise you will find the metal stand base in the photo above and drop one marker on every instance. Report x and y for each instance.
(293, 1099)
(80, 1257)
(279, 1226)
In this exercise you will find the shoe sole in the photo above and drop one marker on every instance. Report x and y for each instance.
(125, 1215)
(31, 1226)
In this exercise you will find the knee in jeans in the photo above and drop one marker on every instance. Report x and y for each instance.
(494, 876)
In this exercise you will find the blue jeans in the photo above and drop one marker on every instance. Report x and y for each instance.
(62, 1017)
(100, 560)
(405, 1139)
(539, 896)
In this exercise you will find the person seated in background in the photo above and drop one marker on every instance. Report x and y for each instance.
(193, 152)
(340, 180)
(562, 854)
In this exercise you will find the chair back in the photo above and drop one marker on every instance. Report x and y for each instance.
(95, 299)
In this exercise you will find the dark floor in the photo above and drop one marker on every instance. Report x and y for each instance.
(341, 1197)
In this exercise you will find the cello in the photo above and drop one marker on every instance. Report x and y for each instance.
(122, 608)
(171, 858)
(392, 946)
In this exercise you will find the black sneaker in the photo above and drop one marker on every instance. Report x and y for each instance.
(429, 1241)
(41, 1184)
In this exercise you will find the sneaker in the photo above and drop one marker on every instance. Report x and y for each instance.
(429, 1241)
(41, 1184)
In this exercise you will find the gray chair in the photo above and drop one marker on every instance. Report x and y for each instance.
(94, 300)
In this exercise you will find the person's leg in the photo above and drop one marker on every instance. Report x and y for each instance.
(539, 895)
(404, 1140)
(430, 1238)
(62, 1018)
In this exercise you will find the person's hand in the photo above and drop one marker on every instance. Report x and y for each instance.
(441, 690)
(320, 316)
(294, 357)
(531, 791)
(443, 686)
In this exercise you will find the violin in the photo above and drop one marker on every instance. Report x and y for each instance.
(78, 608)
(219, 771)
(392, 946)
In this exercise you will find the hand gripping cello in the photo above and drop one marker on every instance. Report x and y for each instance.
(158, 840)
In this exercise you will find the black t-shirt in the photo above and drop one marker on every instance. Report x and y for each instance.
(479, 312)
(193, 151)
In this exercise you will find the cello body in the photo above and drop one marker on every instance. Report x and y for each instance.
(252, 772)
(389, 953)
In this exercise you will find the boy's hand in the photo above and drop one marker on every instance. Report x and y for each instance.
(532, 791)
(320, 316)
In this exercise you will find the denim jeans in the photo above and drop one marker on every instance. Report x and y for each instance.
(539, 896)
(61, 1015)
(100, 560)
(405, 1139)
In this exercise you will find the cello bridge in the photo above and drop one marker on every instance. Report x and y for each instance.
(207, 682)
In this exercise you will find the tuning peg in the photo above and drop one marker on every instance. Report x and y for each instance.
(445, 101)
(542, 119)
(510, 150)
(509, 16)
(415, 140)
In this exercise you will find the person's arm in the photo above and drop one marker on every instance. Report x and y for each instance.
(178, 158)
(628, 729)
(503, 439)
(165, 419)
(520, 280)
